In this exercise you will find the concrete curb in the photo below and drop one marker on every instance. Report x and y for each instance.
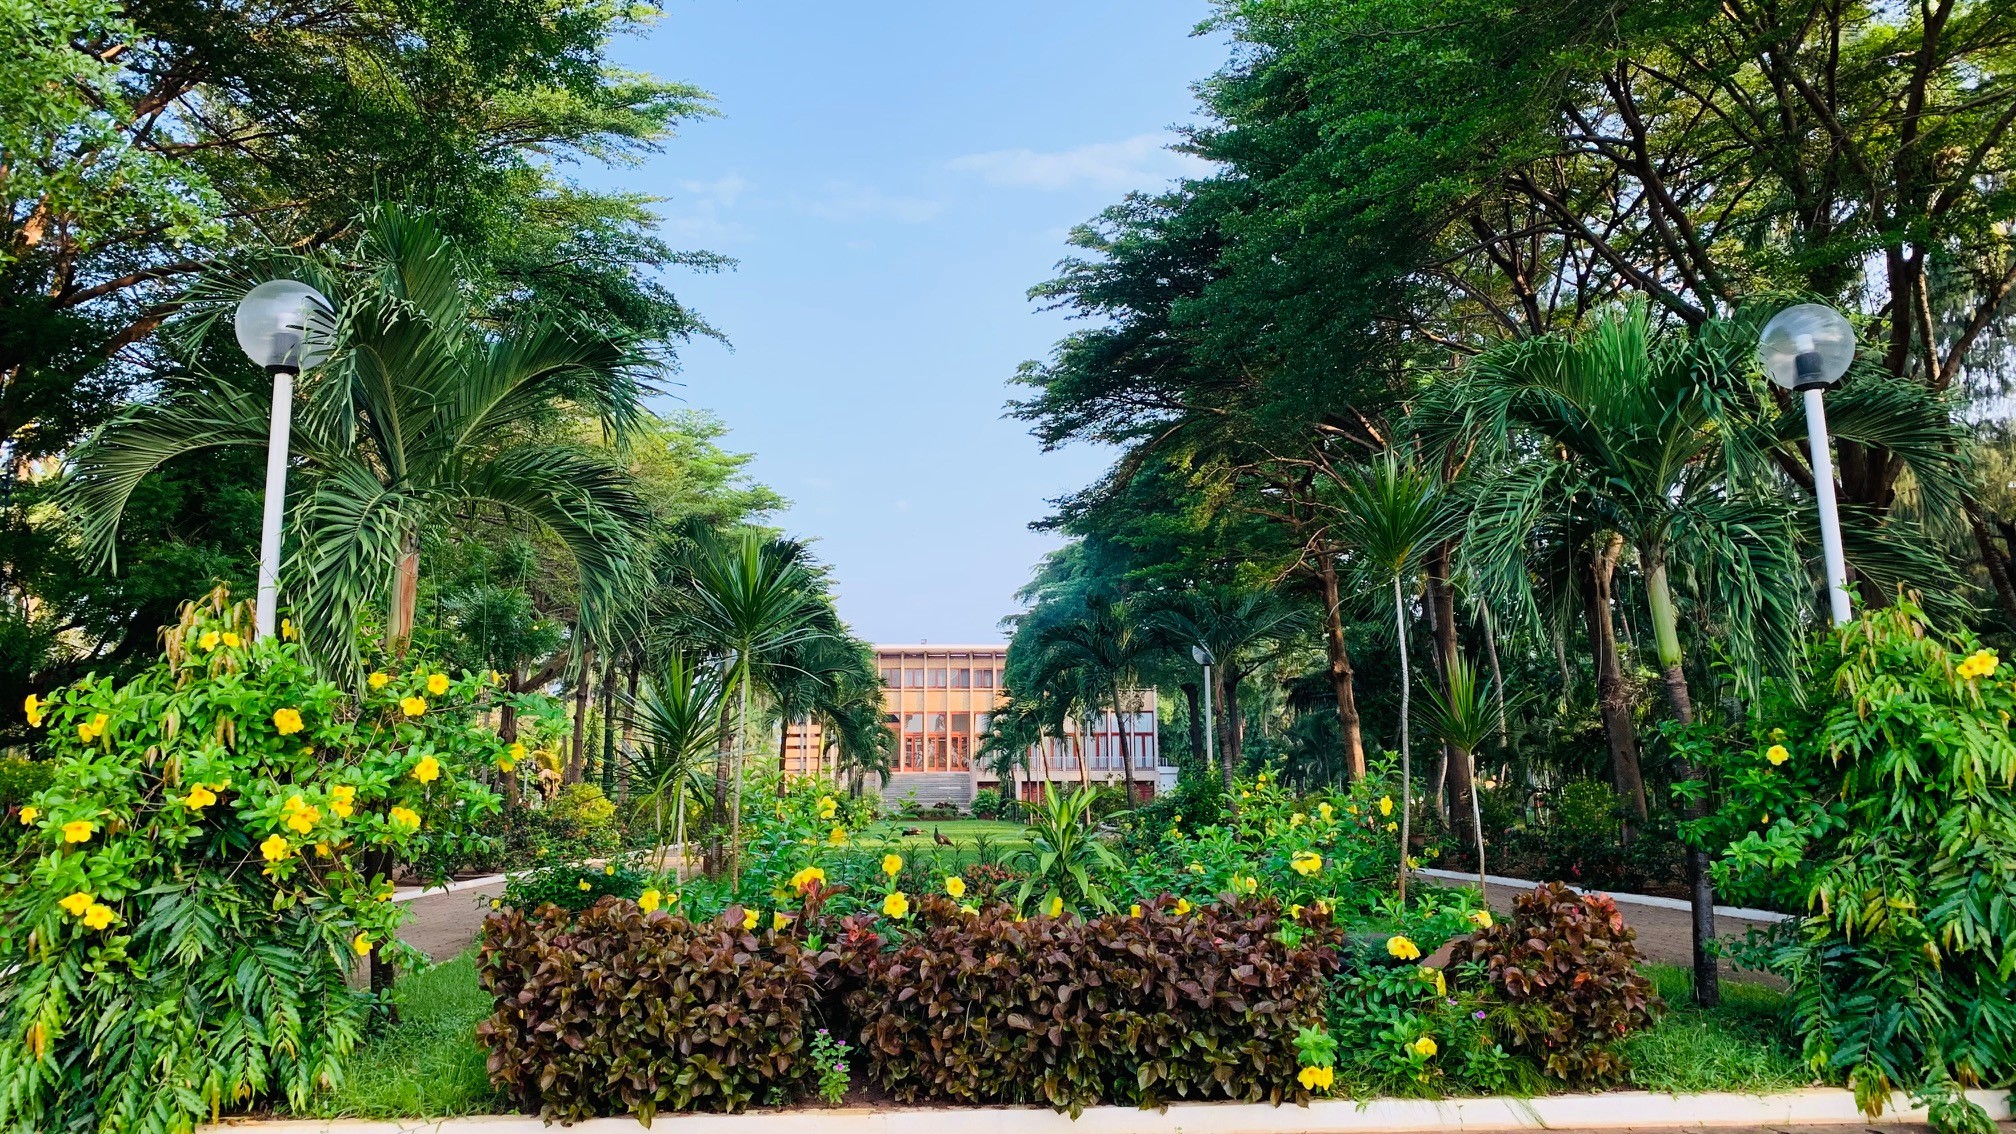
(1820, 1106)
(1743, 913)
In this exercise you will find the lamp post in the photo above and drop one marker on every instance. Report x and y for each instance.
(284, 326)
(1203, 657)
(1806, 348)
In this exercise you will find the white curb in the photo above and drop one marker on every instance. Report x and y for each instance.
(1819, 1106)
(1744, 913)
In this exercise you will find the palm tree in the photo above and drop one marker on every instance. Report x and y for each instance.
(1391, 514)
(420, 412)
(1104, 649)
(679, 711)
(1233, 624)
(1464, 718)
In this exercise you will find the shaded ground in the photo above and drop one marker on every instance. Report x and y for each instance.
(1665, 936)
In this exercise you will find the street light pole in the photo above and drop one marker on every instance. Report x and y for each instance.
(283, 326)
(1203, 657)
(1806, 348)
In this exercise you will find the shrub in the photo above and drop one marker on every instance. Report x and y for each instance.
(1877, 800)
(983, 1007)
(574, 886)
(205, 868)
(614, 1011)
(1566, 973)
(986, 803)
(21, 778)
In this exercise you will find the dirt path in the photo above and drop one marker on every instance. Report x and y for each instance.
(442, 925)
(1665, 936)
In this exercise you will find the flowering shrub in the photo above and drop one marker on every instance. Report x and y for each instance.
(1142, 1007)
(208, 863)
(574, 886)
(1878, 800)
(1565, 973)
(620, 1010)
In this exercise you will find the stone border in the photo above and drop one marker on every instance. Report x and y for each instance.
(1743, 913)
(1819, 1106)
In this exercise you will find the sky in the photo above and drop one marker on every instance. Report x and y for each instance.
(892, 178)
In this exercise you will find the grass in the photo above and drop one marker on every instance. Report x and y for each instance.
(964, 832)
(1740, 1045)
(428, 1065)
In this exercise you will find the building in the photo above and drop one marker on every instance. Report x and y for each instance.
(937, 700)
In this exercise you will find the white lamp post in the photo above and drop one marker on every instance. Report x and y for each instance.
(1203, 657)
(284, 326)
(1807, 348)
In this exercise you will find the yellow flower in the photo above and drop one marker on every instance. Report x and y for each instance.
(517, 751)
(1182, 906)
(1134, 910)
(362, 944)
(274, 848)
(1435, 977)
(778, 920)
(1385, 805)
(287, 721)
(969, 909)
(427, 770)
(1316, 1078)
(1424, 1047)
(1777, 754)
(230, 639)
(1322, 905)
(29, 814)
(88, 731)
(1480, 918)
(496, 678)
(321, 850)
(1056, 908)
(648, 900)
(806, 877)
(892, 864)
(1297, 819)
(294, 803)
(78, 831)
(1979, 664)
(581, 885)
(412, 706)
(34, 707)
(1402, 949)
(343, 793)
(287, 628)
(748, 919)
(498, 903)
(304, 820)
(1352, 809)
(437, 684)
(828, 807)
(837, 837)
(1196, 868)
(1325, 811)
(199, 797)
(1306, 863)
(1244, 884)
(98, 917)
(896, 905)
(1392, 827)
(404, 817)
(379, 680)
(78, 902)
(609, 869)
(1295, 911)
(209, 640)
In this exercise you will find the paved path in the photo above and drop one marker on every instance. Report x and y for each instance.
(1665, 936)
(442, 925)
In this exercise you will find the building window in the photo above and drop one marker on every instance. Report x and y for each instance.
(962, 753)
(889, 719)
(962, 723)
(914, 678)
(983, 679)
(937, 724)
(982, 723)
(913, 722)
(913, 753)
(892, 676)
(935, 679)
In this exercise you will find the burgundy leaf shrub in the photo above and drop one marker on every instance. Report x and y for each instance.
(1565, 966)
(615, 1011)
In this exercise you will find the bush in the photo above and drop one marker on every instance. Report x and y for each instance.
(204, 870)
(21, 778)
(1566, 973)
(986, 803)
(1877, 800)
(982, 1007)
(574, 886)
(615, 1010)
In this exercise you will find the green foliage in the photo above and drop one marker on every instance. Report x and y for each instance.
(1876, 799)
(1565, 969)
(427, 1062)
(986, 803)
(230, 818)
(1070, 1012)
(1066, 862)
(1739, 1045)
(705, 1016)
(1381, 1013)
(574, 886)
(829, 1056)
(21, 778)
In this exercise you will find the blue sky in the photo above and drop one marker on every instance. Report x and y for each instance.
(892, 178)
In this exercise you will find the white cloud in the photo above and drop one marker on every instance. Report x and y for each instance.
(1132, 163)
(847, 201)
(722, 191)
(697, 213)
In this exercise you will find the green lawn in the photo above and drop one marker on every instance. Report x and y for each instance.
(965, 832)
(1737, 1046)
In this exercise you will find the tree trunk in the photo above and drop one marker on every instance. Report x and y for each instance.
(1497, 676)
(405, 594)
(1120, 729)
(577, 757)
(1469, 760)
(1406, 754)
(1992, 559)
(741, 762)
(1190, 694)
(1234, 751)
(507, 732)
(717, 859)
(1341, 674)
(629, 718)
(1613, 693)
(609, 675)
(1666, 628)
(1452, 770)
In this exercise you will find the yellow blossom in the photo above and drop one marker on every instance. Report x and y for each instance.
(321, 850)
(274, 848)
(1056, 906)
(287, 721)
(1424, 1047)
(1402, 949)
(1297, 819)
(1480, 918)
(969, 909)
(778, 920)
(896, 904)
(1196, 868)
(1316, 1078)
(427, 770)
(380, 680)
(648, 900)
(199, 797)
(437, 684)
(1134, 910)
(209, 640)
(1979, 664)
(1392, 827)
(412, 706)
(33, 705)
(78, 902)
(1306, 863)
(1325, 811)
(98, 917)
(1435, 977)
(78, 831)
(362, 944)
(828, 807)
(609, 869)
(1182, 906)
(1295, 911)
(955, 886)
(1777, 754)
(29, 814)
(404, 817)
(892, 864)
(581, 885)
(304, 820)
(1385, 805)
(287, 628)
(88, 731)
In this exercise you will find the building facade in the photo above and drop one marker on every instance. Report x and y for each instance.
(938, 701)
